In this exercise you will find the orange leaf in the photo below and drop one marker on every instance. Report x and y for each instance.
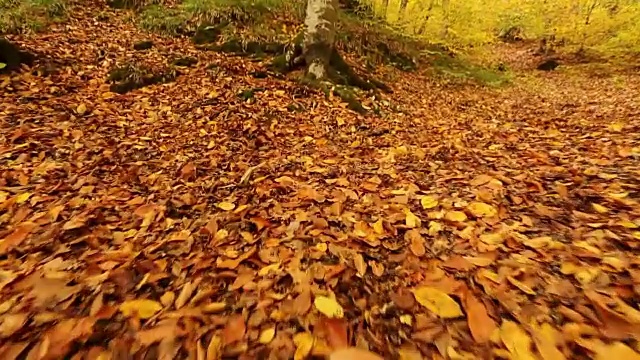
(480, 324)
(16, 237)
(234, 330)
(335, 331)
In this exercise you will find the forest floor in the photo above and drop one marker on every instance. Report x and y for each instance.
(182, 219)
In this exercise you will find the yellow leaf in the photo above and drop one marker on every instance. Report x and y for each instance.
(546, 338)
(81, 109)
(586, 275)
(628, 224)
(144, 308)
(378, 227)
(600, 209)
(617, 350)
(428, 202)
(636, 235)
(437, 302)
(226, 206)
(267, 335)
(411, 220)
(23, 197)
(214, 350)
(304, 343)
(616, 126)
(539, 242)
(406, 319)
(455, 216)
(492, 238)
(215, 307)
(620, 195)
(269, 268)
(480, 209)
(329, 307)
(516, 341)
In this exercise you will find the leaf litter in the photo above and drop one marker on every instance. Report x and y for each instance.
(169, 222)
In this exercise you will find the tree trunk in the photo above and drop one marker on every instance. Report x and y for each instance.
(319, 36)
(403, 8)
(385, 8)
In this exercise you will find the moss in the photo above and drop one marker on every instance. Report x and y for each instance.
(207, 33)
(348, 95)
(163, 20)
(18, 16)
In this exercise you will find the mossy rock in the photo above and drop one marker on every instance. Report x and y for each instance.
(143, 45)
(131, 77)
(207, 34)
(349, 96)
(12, 56)
(186, 61)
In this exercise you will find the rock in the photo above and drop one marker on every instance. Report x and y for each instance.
(143, 45)
(548, 65)
(12, 56)
(206, 34)
(187, 61)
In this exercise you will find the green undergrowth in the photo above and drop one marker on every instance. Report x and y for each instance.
(19, 16)
(233, 18)
(457, 67)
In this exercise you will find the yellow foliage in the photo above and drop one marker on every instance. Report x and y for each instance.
(611, 26)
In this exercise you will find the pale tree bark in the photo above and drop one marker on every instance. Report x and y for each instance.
(319, 36)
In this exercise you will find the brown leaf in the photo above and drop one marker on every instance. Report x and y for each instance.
(302, 303)
(416, 242)
(234, 330)
(185, 295)
(156, 334)
(188, 171)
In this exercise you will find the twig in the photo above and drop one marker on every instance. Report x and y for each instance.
(244, 180)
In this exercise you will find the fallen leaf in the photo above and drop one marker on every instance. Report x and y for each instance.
(234, 330)
(516, 341)
(616, 350)
(328, 306)
(142, 308)
(416, 242)
(428, 202)
(214, 349)
(81, 109)
(455, 216)
(411, 220)
(226, 206)
(354, 354)
(480, 324)
(267, 335)
(304, 343)
(437, 302)
(480, 209)
(599, 208)
(17, 236)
